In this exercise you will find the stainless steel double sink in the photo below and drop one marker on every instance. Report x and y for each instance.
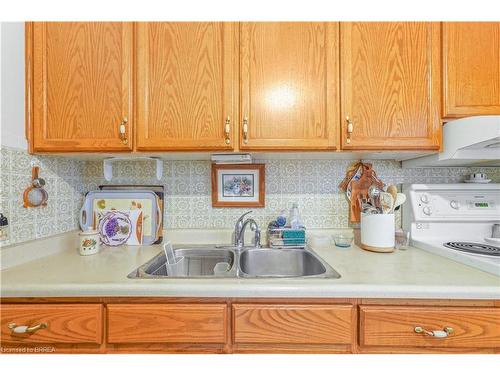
(232, 262)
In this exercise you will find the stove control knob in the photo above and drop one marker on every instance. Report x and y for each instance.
(455, 205)
(424, 198)
(427, 210)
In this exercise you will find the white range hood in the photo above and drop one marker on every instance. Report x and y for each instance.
(471, 141)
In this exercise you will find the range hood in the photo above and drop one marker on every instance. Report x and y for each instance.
(470, 141)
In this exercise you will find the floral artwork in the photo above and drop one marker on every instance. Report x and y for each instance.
(238, 185)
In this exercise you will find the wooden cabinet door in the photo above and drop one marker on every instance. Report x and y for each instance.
(167, 323)
(51, 323)
(186, 85)
(292, 324)
(471, 68)
(390, 85)
(394, 326)
(289, 85)
(80, 86)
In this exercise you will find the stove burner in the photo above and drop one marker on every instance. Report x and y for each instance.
(474, 248)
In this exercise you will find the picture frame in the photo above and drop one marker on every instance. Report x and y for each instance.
(238, 185)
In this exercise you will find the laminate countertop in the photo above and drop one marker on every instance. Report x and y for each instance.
(412, 273)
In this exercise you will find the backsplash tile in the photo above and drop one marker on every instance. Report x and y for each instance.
(313, 184)
(64, 185)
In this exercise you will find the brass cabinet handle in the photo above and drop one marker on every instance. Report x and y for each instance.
(123, 131)
(245, 130)
(350, 129)
(14, 328)
(227, 130)
(447, 331)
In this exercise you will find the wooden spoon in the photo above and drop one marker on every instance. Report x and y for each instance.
(393, 190)
(387, 202)
(400, 199)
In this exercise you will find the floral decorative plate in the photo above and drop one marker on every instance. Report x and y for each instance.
(115, 228)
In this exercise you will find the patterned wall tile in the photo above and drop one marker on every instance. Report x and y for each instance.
(64, 184)
(313, 184)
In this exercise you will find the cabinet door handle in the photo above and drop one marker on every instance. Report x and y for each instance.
(227, 130)
(350, 129)
(123, 130)
(14, 328)
(245, 130)
(447, 331)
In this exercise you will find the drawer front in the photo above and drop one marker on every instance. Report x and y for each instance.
(293, 324)
(395, 326)
(171, 323)
(64, 323)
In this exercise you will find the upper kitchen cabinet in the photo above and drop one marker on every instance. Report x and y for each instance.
(187, 82)
(289, 86)
(390, 85)
(471, 68)
(79, 86)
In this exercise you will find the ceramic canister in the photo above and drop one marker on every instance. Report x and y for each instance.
(377, 232)
(89, 242)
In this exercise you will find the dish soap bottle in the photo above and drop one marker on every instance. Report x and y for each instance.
(294, 219)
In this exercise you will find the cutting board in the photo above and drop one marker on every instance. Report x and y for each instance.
(360, 187)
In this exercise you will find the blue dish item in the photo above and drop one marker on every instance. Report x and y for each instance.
(343, 239)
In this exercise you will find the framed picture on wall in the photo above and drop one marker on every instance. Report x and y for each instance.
(238, 185)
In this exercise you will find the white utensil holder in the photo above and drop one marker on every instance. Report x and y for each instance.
(377, 232)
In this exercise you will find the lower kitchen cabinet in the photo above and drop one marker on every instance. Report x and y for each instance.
(234, 325)
(273, 327)
(44, 326)
(166, 323)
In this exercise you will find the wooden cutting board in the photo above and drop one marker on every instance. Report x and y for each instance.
(360, 187)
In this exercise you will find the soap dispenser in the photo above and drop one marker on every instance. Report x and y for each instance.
(294, 219)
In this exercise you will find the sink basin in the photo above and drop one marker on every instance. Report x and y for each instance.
(230, 262)
(198, 262)
(263, 262)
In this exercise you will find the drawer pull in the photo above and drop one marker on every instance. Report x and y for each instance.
(14, 328)
(440, 334)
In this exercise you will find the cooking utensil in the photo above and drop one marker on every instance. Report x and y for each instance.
(400, 199)
(386, 202)
(393, 190)
(35, 195)
(374, 191)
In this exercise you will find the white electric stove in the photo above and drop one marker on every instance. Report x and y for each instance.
(455, 221)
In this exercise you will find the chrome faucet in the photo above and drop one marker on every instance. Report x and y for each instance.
(239, 231)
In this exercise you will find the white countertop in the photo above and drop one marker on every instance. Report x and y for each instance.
(412, 273)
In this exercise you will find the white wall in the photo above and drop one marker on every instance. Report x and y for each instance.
(12, 85)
